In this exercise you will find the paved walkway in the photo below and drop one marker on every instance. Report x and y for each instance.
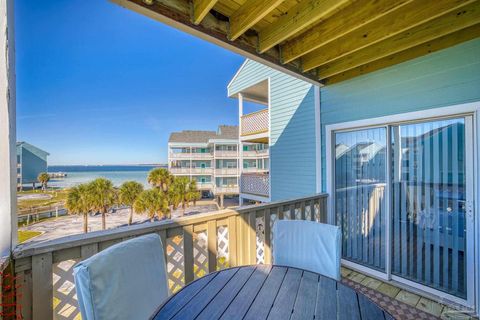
(68, 225)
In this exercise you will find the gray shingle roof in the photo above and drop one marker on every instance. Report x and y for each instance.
(197, 136)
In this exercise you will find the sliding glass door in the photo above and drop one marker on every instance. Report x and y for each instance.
(418, 177)
(429, 193)
(360, 180)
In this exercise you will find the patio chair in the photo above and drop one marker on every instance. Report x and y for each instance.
(308, 245)
(125, 281)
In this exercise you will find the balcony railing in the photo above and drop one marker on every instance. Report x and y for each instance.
(256, 184)
(226, 171)
(229, 189)
(254, 170)
(256, 153)
(193, 155)
(180, 170)
(226, 154)
(193, 247)
(255, 123)
(202, 170)
(204, 185)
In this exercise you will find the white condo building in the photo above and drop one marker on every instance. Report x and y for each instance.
(213, 160)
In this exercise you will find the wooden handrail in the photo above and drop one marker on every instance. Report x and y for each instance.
(207, 234)
(251, 114)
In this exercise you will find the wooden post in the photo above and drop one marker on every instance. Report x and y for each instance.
(212, 245)
(42, 290)
(232, 242)
(267, 243)
(252, 237)
(188, 253)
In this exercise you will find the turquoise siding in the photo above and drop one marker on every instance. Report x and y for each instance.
(32, 166)
(292, 133)
(447, 77)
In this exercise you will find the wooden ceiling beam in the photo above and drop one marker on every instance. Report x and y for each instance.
(249, 14)
(298, 18)
(453, 21)
(347, 20)
(201, 8)
(423, 49)
(178, 14)
(406, 17)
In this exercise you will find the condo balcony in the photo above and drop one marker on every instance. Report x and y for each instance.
(226, 171)
(174, 170)
(201, 171)
(226, 189)
(204, 185)
(254, 170)
(226, 154)
(255, 126)
(255, 183)
(190, 155)
(264, 153)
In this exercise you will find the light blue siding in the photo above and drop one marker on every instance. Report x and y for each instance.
(292, 133)
(447, 77)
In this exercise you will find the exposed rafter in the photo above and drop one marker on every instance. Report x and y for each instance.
(201, 8)
(249, 14)
(404, 18)
(321, 41)
(341, 23)
(449, 23)
(423, 49)
(297, 19)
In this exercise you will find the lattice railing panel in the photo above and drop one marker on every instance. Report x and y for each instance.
(298, 213)
(222, 248)
(200, 254)
(175, 263)
(260, 235)
(258, 184)
(255, 123)
(308, 212)
(65, 304)
(317, 211)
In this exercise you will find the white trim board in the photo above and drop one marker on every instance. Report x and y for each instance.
(318, 139)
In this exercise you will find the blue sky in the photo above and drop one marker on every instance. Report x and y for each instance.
(98, 84)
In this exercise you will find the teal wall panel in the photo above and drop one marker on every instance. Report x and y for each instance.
(443, 78)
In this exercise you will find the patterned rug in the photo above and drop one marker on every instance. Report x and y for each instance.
(397, 309)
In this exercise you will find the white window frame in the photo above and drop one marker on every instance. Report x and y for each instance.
(466, 109)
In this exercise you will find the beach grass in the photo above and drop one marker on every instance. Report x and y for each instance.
(25, 235)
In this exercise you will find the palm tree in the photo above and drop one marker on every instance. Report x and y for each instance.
(181, 186)
(160, 178)
(43, 178)
(153, 202)
(128, 193)
(193, 193)
(103, 197)
(79, 202)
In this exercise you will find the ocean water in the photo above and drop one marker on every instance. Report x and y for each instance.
(82, 174)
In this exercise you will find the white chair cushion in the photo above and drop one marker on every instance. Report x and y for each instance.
(125, 281)
(308, 245)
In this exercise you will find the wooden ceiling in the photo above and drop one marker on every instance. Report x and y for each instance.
(324, 41)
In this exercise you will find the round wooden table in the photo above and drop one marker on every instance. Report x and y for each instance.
(268, 292)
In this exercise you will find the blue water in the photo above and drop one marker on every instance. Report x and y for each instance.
(82, 174)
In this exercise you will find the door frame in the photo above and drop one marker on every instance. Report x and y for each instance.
(473, 267)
